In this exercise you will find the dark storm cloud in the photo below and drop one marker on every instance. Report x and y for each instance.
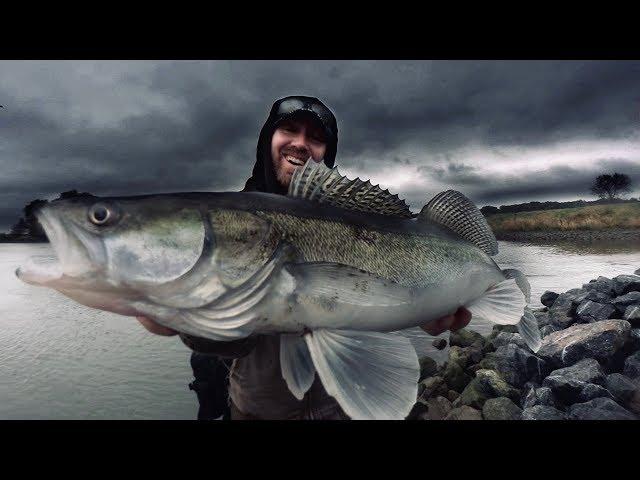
(141, 127)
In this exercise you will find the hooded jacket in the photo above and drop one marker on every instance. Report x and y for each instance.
(256, 386)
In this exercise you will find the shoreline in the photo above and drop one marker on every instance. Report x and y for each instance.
(579, 235)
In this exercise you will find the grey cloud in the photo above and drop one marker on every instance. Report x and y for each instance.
(142, 127)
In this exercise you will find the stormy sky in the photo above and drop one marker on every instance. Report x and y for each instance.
(501, 132)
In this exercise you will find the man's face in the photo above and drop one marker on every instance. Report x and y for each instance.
(293, 143)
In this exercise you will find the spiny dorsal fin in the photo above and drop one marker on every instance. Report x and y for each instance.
(315, 181)
(455, 211)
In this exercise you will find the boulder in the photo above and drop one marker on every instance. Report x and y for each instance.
(539, 396)
(501, 408)
(589, 311)
(455, 377)
(465, 338)
(487, 384)
(561, 312)
(603, 285)
(495, 331)
(567, 383)
(600, 409)
(505, 338)
(431, 387)
(599, 340)
(516, 365)
(632, 366)
(438, 408)
(592, 295)
(621, 387)
(626, 283)
(417, 411)
(439, 343)
(591, 391)
(623, 301)
(542, 412)
(632, 315)
(464, 413)
(428, 367)
(637, 272)
(548, 298)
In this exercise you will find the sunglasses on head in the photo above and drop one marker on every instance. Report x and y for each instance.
(291, 105)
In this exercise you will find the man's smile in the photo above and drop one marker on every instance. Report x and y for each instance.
(295, 161)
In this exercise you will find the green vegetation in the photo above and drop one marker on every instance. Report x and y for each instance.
(593, 217)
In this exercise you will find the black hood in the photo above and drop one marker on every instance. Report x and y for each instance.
(263, 177)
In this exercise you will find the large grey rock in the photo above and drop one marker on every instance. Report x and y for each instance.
(539, 396)
(626, 283)
(501, 408)
(428, 367)
(600, 409)
(548, 298)
(591, 391)
(438, 409)
(632, 314)
(603, 285)
(621, 387)
(600, 340)
(542, 412)
(637, 272)
(632, 366)
(567, 383)
(465, 338)
(455, 376)
(562, 310)
(496, 329)
(623, 301)
(487, 384)
(592, 295)
(431, 387)
(505, 338)
(516, 365)
(589, 311)
(464, 413)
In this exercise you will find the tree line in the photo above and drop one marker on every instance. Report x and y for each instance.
(607, 187)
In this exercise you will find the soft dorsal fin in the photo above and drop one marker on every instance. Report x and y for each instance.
(455, 211)
(315, 181)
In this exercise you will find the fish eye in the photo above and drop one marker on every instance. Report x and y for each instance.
(100, 214)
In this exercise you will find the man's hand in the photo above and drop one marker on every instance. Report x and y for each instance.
(454, 322)
(156, 328)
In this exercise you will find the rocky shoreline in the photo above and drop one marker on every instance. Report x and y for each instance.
(588, 367)
(573, 235)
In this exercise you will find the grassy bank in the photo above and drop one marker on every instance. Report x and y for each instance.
(594, 217)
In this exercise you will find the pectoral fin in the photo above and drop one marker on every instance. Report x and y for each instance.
(373, 376)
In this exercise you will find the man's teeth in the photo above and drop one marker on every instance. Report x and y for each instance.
(294, 160)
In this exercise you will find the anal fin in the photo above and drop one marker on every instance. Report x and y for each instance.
(373, 376)
(296, 364)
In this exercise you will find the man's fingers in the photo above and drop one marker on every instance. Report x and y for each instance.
(156, 328)
(439, 326)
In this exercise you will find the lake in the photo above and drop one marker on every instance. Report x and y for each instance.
(61, 360)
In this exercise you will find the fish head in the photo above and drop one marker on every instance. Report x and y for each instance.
(112, 249)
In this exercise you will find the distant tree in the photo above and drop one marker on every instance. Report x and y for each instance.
(610, 186)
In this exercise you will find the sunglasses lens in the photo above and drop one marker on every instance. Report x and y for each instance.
(290, 105)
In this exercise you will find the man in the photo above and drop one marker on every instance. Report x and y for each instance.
(298, 129)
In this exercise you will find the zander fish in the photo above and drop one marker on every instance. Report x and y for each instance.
(338, 267)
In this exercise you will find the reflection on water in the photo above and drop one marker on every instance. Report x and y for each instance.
(585, 247)
(61, 360)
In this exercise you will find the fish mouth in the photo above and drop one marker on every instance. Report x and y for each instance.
(77, 254)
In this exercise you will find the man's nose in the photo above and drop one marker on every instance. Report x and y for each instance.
(300, 140)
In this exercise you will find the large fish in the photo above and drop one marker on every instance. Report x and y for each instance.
(339, 268)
